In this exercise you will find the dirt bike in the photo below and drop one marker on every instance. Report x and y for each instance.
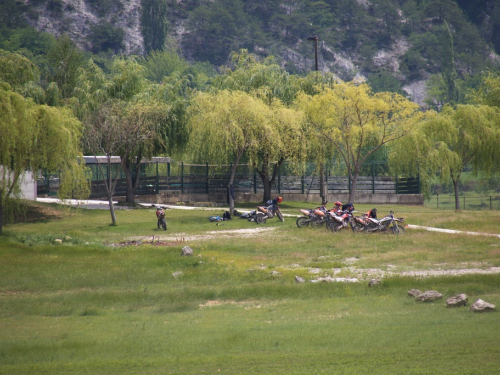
(160, 215)
(339, 220)
(387, 224)
(304, 221)
(312, 217)
(268, 213)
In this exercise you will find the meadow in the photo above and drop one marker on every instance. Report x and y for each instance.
(105, 301)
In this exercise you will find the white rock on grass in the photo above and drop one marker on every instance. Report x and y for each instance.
(414, 292)
(177, 274)
(457, 301)
(428, 296)
(481, 306)
(186, 251)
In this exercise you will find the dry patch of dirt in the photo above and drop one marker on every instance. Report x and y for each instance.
(179, 238)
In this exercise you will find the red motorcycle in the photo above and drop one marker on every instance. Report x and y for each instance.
(160, 215)
(268, 212)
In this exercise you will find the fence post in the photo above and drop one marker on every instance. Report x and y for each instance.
(206, 174)
(373, 178)
(157, 179)
(182, 177)
(437, 196)
(168, 169)
(397, 184)
(254, 182)
(303, 187)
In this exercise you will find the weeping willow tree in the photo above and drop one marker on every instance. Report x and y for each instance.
(226, 125)
(351, 118)
(35, 137)
(446, 142)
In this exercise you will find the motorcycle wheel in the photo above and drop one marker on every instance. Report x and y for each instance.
(398, 229)
(280, 216)
(317, 223)
(358, 228)
(331, 225)
(260, 219)
(302, 222)
(164, 224)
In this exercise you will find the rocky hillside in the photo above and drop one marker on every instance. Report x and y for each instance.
(394, 44)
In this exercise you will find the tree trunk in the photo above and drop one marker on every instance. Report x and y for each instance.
(131, 179)
(354, 178)
(264, 176)
(455, 188)
(130, 193)
(231, 181)
(112, 209)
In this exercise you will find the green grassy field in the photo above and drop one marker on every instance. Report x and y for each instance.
(92, 306)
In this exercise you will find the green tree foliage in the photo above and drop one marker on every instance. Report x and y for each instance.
(446, 142)
(105, 37)
(154, 24)
(352, 120)
(216, 29)
(161, 64)
(34, 137)
(64, 59)
(145, 119)
(264, 78)
(227, 125)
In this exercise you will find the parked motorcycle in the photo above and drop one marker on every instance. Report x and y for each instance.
(160, 215)
(305, 220)
(388, 224)
(361, 222)
(268, 213)
(339, 220)
(314, 217)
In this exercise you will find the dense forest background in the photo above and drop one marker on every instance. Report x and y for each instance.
(414, 47)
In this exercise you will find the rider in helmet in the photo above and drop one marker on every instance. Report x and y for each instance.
(273, 203)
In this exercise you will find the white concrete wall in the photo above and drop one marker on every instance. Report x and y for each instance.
(28, 186)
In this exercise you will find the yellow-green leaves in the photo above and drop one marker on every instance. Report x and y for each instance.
(33, 137)
(350, 118)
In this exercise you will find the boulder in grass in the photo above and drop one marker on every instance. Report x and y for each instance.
(186, 251)
(428, 296)
(275, 274)
(374, 282)
(481, 306)
(457, 301)
(177, 274)
(58, 241)
(414, 293)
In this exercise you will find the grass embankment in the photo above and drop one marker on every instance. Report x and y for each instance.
(85, 307)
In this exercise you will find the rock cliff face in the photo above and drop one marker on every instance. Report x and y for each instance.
(76, 17)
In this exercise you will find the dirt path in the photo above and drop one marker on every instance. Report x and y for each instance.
(182, 237)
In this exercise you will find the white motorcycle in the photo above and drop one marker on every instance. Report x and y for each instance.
(387, 224)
